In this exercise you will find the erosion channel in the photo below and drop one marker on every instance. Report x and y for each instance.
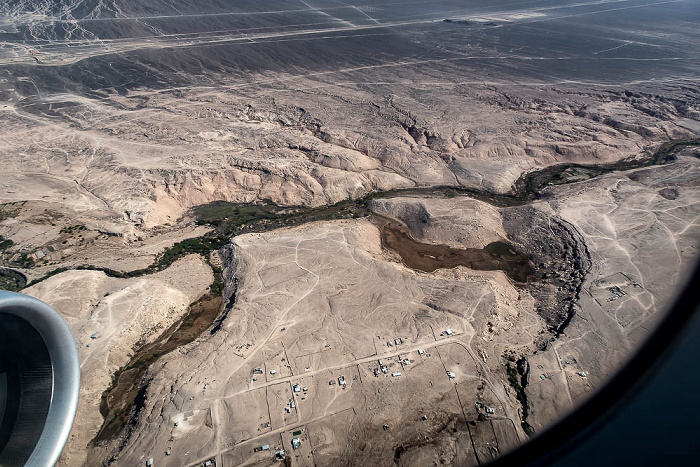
(527, 261)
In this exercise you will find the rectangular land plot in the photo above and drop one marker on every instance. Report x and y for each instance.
(323, 398)
(302, 455)
(243, 416)
(328, 435)
(245, 454)
(506, 436)
(279, 399)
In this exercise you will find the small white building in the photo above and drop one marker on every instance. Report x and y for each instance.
(297, 388)
(396, 373)
(450, 375)
(448, 332)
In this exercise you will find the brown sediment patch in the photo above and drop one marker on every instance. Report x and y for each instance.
(121, 398)
(429, 257)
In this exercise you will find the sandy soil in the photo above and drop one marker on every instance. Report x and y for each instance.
(117, 117)
(642, 248)
(323, 301)
(122, 314)
(318, 303)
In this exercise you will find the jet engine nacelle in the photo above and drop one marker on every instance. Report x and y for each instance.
(39, 382)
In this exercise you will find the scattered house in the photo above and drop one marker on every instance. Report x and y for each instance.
(341, 381)
(385, 427)
(421, 352)
(448, 332)
(331, 383)
(489, 410)
(265, 447)
(396, 373)
(296, 433)
(254, 378)
(389, 344)
(450, 375)
(95, 336)
(287, 409)
(149, 462)
(582, 374)
(543, 376)
(424, 417)
(292, 404)
(380, 362)
(296, 443)
(398, 341)
(272, 372)
(257, 371)
(167, 452)
(297, 388)
(279, 455)
(406, 361)
(305, 389)
(384, 369)
(206, 385)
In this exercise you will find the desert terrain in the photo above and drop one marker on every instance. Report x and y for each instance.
(399, 234)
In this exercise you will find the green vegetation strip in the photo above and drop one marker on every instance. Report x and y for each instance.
(230, 219)
(12, 280)
(515, 382)
(529, 185)
(200, 245)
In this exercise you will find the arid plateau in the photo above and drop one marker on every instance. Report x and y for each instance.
(328, 233)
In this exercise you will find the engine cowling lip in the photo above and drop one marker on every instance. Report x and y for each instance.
(66, 373)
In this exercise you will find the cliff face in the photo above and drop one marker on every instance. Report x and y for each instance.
(118, 116)
(124, 315)
(137, 167)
